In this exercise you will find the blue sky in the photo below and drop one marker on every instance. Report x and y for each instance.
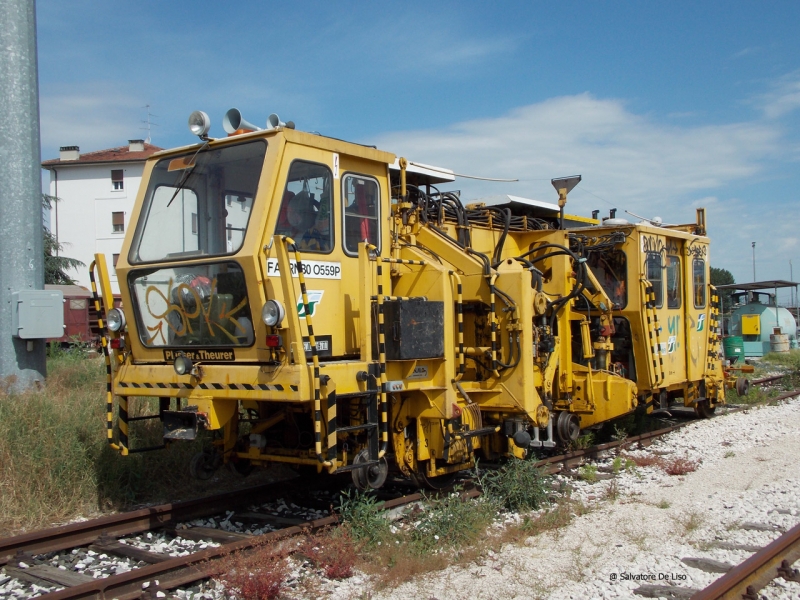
(661, 106)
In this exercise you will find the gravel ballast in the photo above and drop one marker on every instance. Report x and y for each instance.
(747, 474)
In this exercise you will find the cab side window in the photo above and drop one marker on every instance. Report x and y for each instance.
(360, 197)
(673, 282)
(699, 282)
(654, 271)
(305, 214)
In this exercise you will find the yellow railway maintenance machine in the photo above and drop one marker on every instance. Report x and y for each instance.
(318, 302)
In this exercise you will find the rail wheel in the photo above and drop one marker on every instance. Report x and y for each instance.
(204, 464)
(704, 410)
(568, 426)
(433, 483)
(742, 386)
(242, 466)
(370, 476)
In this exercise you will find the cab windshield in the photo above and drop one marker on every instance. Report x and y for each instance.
(199, 204)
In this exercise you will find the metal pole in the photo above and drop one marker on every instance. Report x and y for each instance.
(22, 362)
(754, 262)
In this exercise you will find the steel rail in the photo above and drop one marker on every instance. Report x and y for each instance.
(143, 519)
(555, 464)
(767, 379)
(745, 580)
(786, 396)
(200, 565)
(184, 570)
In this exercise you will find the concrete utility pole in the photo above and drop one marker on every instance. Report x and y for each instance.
(754, 262)
(22, 362)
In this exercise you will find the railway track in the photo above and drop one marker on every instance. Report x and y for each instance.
(21, 555)
(744, 581)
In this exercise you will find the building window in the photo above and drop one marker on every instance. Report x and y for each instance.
(116, 179)
(194, 223)
(117, 222)
(115, 259)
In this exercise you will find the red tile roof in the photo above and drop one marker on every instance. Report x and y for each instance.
(120, 154)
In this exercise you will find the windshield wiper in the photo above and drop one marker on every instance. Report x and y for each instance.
(186, 174)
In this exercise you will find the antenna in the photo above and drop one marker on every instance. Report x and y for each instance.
(148, 122)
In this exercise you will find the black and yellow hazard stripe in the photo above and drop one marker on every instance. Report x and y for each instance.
(713, 338)
(314, 357)
(123, 425)
(384, 423)
(493, 317)
(402, 261)
(242, 387)
(460, 324)
(107, 356)
(653, 330)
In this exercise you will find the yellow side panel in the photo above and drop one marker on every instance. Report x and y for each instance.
(751, 324)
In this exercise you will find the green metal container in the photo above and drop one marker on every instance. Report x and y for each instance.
(733, 346)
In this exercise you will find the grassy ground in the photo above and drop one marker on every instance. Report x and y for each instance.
(771, 364)
(55, 464)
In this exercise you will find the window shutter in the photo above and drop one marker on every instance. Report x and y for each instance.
(116, 175)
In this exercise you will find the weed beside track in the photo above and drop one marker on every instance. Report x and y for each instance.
(55, 464)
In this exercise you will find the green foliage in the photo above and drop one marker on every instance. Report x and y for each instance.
(361, 514)
(55, 462)
(620, 464)
(588, 473)
(583, 442)
(56, 266)
(723, 277)
(518, 486)
(450, 522)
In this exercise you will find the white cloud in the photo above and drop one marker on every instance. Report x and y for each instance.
(629, 160)
(783, 98)
(95, 117)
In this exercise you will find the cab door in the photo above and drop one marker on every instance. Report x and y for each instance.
(306, 196)
(364, 209)
(697, 309)
(675, 358)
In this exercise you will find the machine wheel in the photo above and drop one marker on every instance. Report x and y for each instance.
(433, 483)
(203, 465)
(242, 466)
(568, 426)
(371, 477)
(742, 386)
(704, 410)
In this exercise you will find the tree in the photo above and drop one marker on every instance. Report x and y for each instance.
(723, 277)
(55, 265)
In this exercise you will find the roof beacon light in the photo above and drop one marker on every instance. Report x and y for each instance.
(233, 121)
(199, 123)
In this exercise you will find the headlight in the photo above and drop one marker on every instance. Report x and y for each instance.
(115, 319)
(272, 314)
(182, 365)
(199, 123)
